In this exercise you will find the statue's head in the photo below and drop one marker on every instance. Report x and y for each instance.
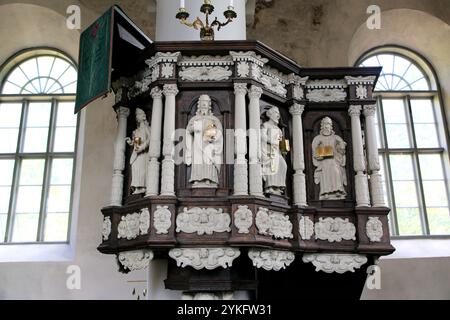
(204, 105)
(273, 114)
(326, 127)
(140, 115)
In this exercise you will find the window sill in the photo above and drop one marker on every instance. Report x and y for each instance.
(39, 252)
(438, 247)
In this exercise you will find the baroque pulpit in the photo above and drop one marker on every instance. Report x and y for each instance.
(246, 172)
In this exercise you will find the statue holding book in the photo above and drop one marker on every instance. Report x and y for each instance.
(329, 158)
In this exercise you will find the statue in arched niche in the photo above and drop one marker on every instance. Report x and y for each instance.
(329, 157)
(140, 141)
(204, 146)
(273, 164)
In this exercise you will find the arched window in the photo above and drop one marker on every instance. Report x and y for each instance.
(412, 143)
(38, 132)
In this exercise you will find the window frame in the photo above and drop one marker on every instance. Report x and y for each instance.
(48, 156)
(434, 95)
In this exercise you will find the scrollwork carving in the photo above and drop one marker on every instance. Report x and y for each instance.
(134, 224)
(161, 219)
(271, 259)
(205, 73)
(339, 263)
(274, 224)
(203, 221)
(243, 219)
(306, 228)
(374, 229)
(335, 229)
(204, 258)
(106, 228)
(135, 260)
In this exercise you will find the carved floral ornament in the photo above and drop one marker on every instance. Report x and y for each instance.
(335, 229)
(204, 258)
(335, 263)
(135, 260)
(205, 73)
(134, 224)
(271, 259)
(374, 229)
(276, 224)
(203, 221)
(243, 219)
(106, 228)
(162, 219)
(306, 228)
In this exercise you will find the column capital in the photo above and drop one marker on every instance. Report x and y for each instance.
(240, 88)
(170, 90)
(123, 112)
(255, 92)
(355, 110)
(370, 110)
(297, 109)
(156, 93)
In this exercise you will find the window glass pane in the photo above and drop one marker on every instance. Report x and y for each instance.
(8, 140)
(394, 111)
(413, 74)
(64, 140)
(9, 88)
(409, 222)
(439, 221)
(3, 221)
(59, 68)
(25, 227)
(32, 172)
(45, 65)
(68, 77)
(66, 117)
(61, 172)
(426, 136)
(35, 140)
(422, 110)
(56, 227)
(435, 193)
(10, 115)
(397, 136)
(387, 61)
(405, 193)
(38, 114)
(421, 85)
(59, 199)
(431, 167)
(29, 67)
(5, 193)
(402, 167)
(28, 199)
(6, 172)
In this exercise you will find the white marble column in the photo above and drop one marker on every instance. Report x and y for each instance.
(298, 157)
(154, 152)
(256, 183)
(119, 157)
(376, 185)
(168, 164)
(240, 135)
(361, 182)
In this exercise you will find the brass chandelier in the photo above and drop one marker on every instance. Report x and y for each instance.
(206, 29)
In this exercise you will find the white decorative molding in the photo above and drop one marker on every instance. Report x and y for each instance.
(204, 258)
(243, 219)
(271, 259)
(161, 219)
(361, 92)
(273, 83)
(370, 80)
(339, 263)
(326, 84)
(249, 56)
(106, 228)
(167, 70)
(135, 260)
(205, 60)
(205, 73)
(326, 95)
(306, 228)
(203, 221)
(243, 70)
(274, 224)
(160, 57)
(335, 229)
(134, 224)
(374, 229)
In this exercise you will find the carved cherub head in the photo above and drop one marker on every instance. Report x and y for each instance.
(326, 127)
(140, 115)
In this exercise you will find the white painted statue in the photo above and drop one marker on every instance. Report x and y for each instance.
(204, 146)
(273, 163)
(329, 157)
(140, 142)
